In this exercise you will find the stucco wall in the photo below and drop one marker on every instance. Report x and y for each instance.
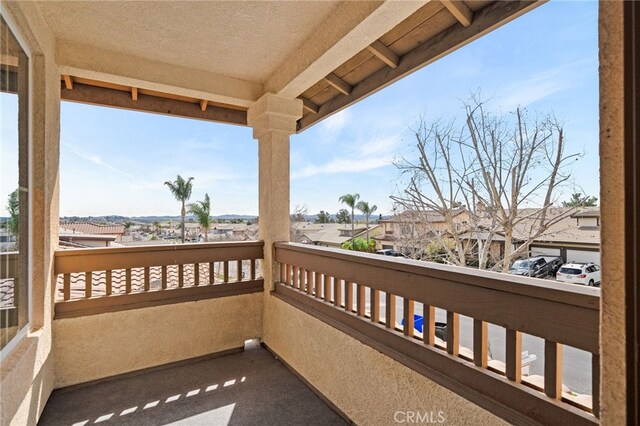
(612, 321)
(27, 372)
(97, 346)
(369, 387)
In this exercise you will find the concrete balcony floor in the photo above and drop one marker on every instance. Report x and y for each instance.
(246, 388)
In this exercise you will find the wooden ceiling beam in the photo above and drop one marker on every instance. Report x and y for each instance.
(103, 96)
(68, 82)
(309, 106)
(338, 83)
(385, 54)
(459, 10)
(203, 104)
(134, 93)
(485, 20)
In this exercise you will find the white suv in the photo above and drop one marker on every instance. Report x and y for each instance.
(579, 273)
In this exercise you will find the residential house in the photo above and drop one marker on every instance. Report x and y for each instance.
(89, 228)
(333, 234)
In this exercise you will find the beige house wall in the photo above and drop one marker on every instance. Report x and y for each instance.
(28, 370)
(366, 385)
(612, 317)
(98, 346)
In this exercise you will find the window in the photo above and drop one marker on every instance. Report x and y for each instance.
(14, 186)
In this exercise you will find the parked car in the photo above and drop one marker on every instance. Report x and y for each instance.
(579, 273)
(538, 266)
(389, 252)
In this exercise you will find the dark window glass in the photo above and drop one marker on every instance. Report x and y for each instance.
(14, 186)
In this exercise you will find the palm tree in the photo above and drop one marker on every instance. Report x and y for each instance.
(202, 211)
(127, 226)
(351, 200)
(181, 190)
(364, 207)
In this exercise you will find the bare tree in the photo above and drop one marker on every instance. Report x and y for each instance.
(505, 171)
(298, 217)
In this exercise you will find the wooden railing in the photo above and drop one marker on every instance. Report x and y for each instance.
(97, 280)
(8, 272)
(358, 294)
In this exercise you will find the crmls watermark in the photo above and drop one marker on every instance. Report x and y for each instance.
(420, 417)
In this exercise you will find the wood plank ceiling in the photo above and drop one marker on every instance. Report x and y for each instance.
(436, 29)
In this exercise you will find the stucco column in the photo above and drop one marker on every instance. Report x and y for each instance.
(273, 119)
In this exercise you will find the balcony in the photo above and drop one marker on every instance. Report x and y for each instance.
(325, 300)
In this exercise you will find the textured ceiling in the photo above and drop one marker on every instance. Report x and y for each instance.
(243, 39)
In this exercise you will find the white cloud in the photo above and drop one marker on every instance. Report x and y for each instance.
(337, 122)
(369, 154)
(543, 84)
(346, 165)
(96, 160)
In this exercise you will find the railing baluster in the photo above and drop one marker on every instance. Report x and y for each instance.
(553, 369)
(180, 275)
(212, 273)
(239, 270)
(327, 288)
(225, 272)
(164, 277)
(295, 283)
(513, 355)
(318, 282)
(309, 282)
(595, 384)
(283, 273)
(196, 274)
(108, 283)
(253, 269)
(147, 279)
(429, 325)
(408, 317)
(302, 279)
(453, 333)
(390, 311)
(88, 278)
(128, 281)
(348, 297)
(66, 287)
(374, 305)
(337, 291)
(480, 335)
(361, 299)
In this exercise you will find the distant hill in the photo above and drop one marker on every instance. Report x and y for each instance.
(147, 219)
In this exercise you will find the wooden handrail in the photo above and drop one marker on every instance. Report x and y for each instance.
(317, 279)
(132, 277)
(568, 314)
(101, 259)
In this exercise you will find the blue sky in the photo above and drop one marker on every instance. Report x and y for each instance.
(115, 162)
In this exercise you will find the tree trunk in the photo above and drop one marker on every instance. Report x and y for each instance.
(508, 248)
(353, 229)
(206, 235)
(184, 213)
(367, 221)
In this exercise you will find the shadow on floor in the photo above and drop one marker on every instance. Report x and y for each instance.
(247, 388)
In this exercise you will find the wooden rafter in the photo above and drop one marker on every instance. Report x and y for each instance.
(484, 20)
(309, 106)
(149, 103)
(203, 104)
(460, 10)
(134, 93)
(68, 82)
(383, 53)
(338, 83)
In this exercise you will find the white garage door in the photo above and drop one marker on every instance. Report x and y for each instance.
(583, 256)
(544, 251)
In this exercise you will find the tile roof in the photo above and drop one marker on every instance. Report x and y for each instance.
(94, 228)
